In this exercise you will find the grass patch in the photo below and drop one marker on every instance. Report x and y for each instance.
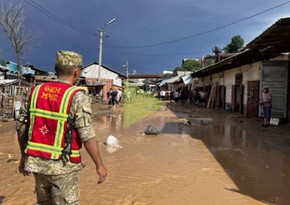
(139, 108)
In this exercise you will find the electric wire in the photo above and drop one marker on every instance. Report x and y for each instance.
(50, 15)
(156, 54)
(205, 32)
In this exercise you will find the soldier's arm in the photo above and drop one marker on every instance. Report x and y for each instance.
(92, 148)
(22, 127)
(83, 123)
(22, 135)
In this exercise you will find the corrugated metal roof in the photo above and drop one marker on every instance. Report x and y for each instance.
(163, 82)
(143, 76)
(110, 69)
(275, 39)
(175, 79)
(183, 73)
(4, 68)
(271, 43)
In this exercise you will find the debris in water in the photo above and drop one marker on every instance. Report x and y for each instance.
(152, 130)
(204, 121)
(112, 144)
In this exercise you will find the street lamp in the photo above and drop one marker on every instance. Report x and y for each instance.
(101, 36)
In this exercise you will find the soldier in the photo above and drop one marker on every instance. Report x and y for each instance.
(51, 129)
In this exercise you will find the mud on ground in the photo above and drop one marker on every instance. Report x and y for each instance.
(231, 161)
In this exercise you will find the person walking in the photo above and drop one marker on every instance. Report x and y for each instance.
(176, 96)
(112, 97)
(267, 106)
(52, 126)
(119, 95)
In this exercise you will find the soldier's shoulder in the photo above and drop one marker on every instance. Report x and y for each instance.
(80, 97)
(83, 89)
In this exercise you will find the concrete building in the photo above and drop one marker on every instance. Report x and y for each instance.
(239, 79)
(100, 81)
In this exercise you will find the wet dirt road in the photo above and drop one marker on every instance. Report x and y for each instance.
(232, 161)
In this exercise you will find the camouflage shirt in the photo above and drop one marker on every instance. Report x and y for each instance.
(80, 108)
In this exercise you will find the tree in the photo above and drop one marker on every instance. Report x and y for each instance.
(209, 60)
(167, 75)
(235, 45)
(12, 23)
(188, 65)
(2, 62)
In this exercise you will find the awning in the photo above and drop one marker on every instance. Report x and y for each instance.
(6, 81)
(275, 39)
(175, 79)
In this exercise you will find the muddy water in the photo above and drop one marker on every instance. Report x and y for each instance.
(257, 168)
(230, 162)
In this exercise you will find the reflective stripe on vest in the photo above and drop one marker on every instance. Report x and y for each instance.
(61, 117)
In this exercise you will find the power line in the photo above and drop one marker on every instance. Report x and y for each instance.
(52, 16)
(204, 32)
(156, 54)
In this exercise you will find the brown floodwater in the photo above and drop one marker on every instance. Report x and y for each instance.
(258, 165)
(230, 161)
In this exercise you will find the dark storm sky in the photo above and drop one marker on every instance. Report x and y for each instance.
(147, 33)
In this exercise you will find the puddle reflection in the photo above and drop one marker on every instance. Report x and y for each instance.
(257, 169)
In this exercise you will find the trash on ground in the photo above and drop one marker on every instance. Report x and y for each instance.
(204, 121)
(274, 121)
(112, 144)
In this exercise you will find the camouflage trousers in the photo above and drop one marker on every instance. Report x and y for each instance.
(57, 189)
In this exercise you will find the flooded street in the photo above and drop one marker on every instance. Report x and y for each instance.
(230, 161)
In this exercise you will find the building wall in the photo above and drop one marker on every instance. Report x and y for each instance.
(227, 78)
(250, 72)
(211, 79)
(92, 71)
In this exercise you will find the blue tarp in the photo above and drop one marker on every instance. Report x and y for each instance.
(25, 70)
(163, 82)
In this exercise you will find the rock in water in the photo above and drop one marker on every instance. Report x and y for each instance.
(152, 130)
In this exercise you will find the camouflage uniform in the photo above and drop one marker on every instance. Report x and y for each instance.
(57, 183)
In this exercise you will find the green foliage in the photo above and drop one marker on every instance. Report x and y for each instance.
(235, 45)
(209, 60)
(188, 65)
(167, 75)
(140, 108)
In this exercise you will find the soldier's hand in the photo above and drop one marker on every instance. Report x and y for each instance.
(102, 172)
(21, 167)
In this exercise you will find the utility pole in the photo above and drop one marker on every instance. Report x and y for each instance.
(101, 36)
(126, 66)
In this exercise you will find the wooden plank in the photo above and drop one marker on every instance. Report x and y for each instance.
(211, 96)
(8, 108)
(209, 99)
